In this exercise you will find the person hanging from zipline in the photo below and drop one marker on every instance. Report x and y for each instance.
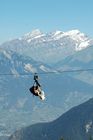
(36, 88)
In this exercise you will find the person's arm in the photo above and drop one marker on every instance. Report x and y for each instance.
(37, 83)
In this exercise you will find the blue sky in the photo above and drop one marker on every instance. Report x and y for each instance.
(18, 17)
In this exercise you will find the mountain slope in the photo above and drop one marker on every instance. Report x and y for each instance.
(17, 104)
(76, 124)
(80, 60)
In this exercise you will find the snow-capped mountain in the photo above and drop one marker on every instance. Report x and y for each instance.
(43, 52)
(49, 47)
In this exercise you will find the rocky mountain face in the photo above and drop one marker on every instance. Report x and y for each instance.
(48, 55)
(76, 124)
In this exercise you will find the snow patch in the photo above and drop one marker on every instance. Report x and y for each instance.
(14, 72)
(73, 32)
(3, 134)
(29, 68)
(82, 45)
(32, 35)
(58, 32)
(7, 55)
(29, 40)
(43, 68)
(88, 126)
(57, 35)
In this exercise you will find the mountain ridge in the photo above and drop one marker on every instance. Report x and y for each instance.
(47, 47)
(75, 124)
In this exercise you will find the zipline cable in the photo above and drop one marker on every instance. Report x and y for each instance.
(50, 72)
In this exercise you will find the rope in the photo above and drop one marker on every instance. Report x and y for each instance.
(51, 72)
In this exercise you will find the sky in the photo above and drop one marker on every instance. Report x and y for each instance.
(18, 17)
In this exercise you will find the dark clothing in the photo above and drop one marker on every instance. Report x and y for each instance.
(36, 86)
(32, 90)
(37, 83)
(36, 80)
